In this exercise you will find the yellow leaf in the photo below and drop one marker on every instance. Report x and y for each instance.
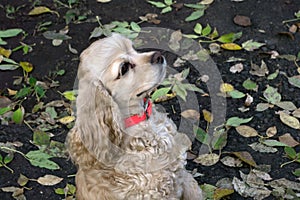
(231, 46)
(11, 92)
(207, 116)
(226, 87)
(40, 10)
(289, 120)
(5, 52)
(27, 67)
(220, 193)
(66, 119)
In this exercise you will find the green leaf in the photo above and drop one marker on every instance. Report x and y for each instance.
(60, 191)
(273, 75)
(201, 135)
(8, 158)
(51, 111)
(52, 35)
(135, 27)
(250, 85)
(10, 32)
(274, 143)
(9, 67)
(297, 14)
(297, 172)
(219, 139)
(41, 138)
(70, 95)
(168, 2)
(195, 6)
(236, 94)
(97, 32)
(236, 121)
(23, 92)
(250, 45)
(39, 90)
(230, 37)
(180, 91)
(8, 60)
(286, 105)
(18, 115)
(198, 28)
(185, 73)
(4, 110)
(192, 87)
(272, 95)
(157, 4)
(290, 152)
(191, 36)
(206, 30)
(160, 93)
(195, 15)
(166, 9)
(295, 81)
(41, 159)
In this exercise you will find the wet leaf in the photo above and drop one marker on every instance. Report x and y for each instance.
(207, 159)
(231, 46)
(272, 95)
(246, 131)
(286, 105)
(245, 157)
(72, 50)
(201, 135)
(41, 159)
(236, 94)
(236, 68)
(261, 70)
(231, 161)
(209, 190)
(273, 143)
(230, 37)
(207, 116)
(295, 81)
(242, 20)
(271, 131)
(289, 120)
(226, 87)
(66, 119)
(195, 15)
(257, 146)
(18, 115)
(251, 45)
(289, 140)
(22, 180)
(236, 121)
(41, 138)
(49, 180)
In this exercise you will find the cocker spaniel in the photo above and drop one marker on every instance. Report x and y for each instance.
(124, 149)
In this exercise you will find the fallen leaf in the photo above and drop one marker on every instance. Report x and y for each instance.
(273, 143)
(242, 20)
(251, 45)
(12, 92)
(226, 87)
(248, 100)
(206, 2)
(236, 94)
(250, 85)
(246, 131)
(151, 18)
(257, 146)
(175, 38)
(293, 28)
(231, 161)
(236, 68)
(214, 48)
(66, 119)
(263, 106)
(231, 46)
(207, 159)
(236, 121)
(296, 113)
(221, 193)
(271, 131)
(285, 183)
(22, 180)
(245, 157)
(289, 120)
(18, 115)
(207, 116)
(272, 95)
(5, 52)
(286, 105)
(49, 180)
(27, 67)
(289, 140)
(295, 81)
(40, 10)
(261, 70)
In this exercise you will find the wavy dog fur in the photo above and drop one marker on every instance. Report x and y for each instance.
(141, 162)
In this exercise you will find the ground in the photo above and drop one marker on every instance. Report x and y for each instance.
(59, 63)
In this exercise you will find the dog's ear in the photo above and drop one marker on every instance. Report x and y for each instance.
(98, 120)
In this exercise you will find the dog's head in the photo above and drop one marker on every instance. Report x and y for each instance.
(125, 73)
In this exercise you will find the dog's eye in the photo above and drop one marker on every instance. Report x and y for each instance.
(125, 67)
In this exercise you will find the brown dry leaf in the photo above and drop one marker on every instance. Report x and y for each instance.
(271, 131)
(289, 140)
(207, 159)
(261, 70)
(231, 161)
(245, 157)
(288, 34)
(248, 100)
(11, 92)
(22, 180)
(285, 183)
(220, 193)
(289, 120)
(293, 28)
(214, 48)
(207, 116)
(296, 113)
(237, 68)
(246, 131)
(175, 38)
(49, 180)
(257, 146)
(263, 175)
(151, 18)
(231, 46)
(242, 20)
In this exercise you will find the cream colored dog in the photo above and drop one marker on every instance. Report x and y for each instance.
(123, 147)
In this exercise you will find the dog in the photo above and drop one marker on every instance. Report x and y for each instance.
(122, 146)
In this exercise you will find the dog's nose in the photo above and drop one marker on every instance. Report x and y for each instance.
(157, 58)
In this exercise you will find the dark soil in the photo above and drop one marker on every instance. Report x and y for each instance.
(265, 15)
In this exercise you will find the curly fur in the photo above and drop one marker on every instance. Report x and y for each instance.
(144, 161)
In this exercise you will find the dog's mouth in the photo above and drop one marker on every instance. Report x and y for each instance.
(148, 92)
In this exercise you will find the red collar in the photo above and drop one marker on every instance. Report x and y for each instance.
(135, 119)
